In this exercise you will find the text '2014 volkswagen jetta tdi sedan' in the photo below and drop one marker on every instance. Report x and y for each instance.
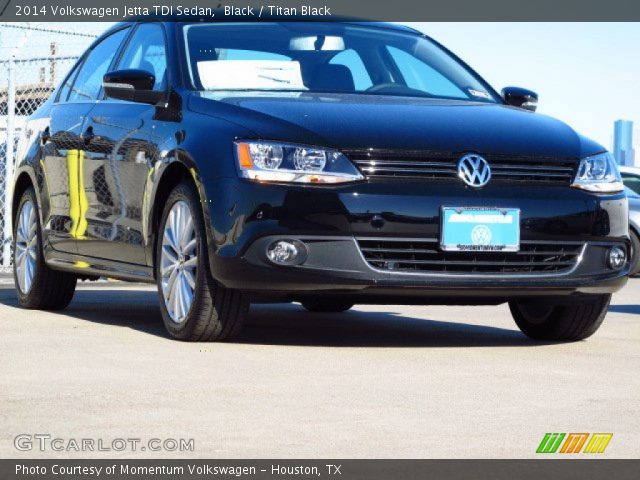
(325, 163)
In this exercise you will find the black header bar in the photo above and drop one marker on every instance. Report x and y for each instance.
(252, 10)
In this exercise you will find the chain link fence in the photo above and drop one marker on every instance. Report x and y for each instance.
(33, 60)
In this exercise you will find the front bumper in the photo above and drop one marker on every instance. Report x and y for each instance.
(335, 265)
(247, 217)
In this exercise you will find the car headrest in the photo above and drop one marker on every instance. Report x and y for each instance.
(161, 77)
(332, 78)
(147, 66)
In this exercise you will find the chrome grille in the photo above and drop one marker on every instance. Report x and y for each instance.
(443, 166)
(407, 255)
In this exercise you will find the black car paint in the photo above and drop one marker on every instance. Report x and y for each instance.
(195, 132)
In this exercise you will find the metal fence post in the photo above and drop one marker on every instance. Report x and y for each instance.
(9, 155)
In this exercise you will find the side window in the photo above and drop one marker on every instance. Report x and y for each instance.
(147, 51)
(420, 76)
(65, 88)
(351, 60)
(88, 82)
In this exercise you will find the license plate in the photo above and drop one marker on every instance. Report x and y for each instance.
(467, 229)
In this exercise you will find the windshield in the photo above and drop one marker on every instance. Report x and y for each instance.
(325, 58)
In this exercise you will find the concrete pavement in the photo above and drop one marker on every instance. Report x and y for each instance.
(375, 382)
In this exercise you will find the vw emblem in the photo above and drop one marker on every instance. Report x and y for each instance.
(474, 170)
(481, 235)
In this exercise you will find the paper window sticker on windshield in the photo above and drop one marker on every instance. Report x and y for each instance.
(250, 74)
(479, 93)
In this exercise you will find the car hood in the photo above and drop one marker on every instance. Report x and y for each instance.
(387, 122)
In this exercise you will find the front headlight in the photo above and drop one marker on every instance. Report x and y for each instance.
(598, 173)
(278, 162)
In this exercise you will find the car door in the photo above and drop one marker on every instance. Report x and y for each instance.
(121, 148)
(63, 144)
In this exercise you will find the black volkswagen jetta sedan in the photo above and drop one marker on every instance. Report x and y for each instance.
(325, 163)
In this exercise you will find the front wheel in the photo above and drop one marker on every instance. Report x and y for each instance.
(635, 254)
(563, 323)
(194, 306)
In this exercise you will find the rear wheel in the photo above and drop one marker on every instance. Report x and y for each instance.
(635, 254)
(194, 306)
(327, 305)
(37, 286)
(565, 323)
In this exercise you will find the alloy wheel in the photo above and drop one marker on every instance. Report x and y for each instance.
(26, 247)
(179, 261)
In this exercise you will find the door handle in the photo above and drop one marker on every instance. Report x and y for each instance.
(88, 135)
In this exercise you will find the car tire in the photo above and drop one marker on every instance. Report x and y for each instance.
(37, 286)
(634, 269)
(327, 305)
(194, 306)
(562, 323)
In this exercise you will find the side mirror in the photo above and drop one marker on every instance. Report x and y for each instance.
(520, 97)
(132, 85)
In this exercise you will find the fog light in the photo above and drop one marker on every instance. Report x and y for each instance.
(287, 252)
(617, 258)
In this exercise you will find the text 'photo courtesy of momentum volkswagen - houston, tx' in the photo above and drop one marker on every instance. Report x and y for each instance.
(330, 164)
